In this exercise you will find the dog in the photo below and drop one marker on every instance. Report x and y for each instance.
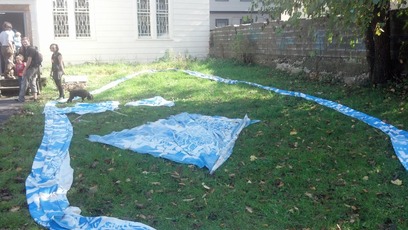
(82, 93)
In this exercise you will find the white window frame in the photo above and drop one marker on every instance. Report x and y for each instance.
(72, 25)
(153, 21)
(218, 20)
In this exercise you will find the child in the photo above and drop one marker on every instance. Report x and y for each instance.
(19, 68)
(17, 42)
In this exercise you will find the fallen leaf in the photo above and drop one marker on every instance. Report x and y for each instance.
(292, 210)
(15, 209)
(139, 205)
(175, 175)
(293, 132)
(259, 133)
(309, 195)
(249, 209)
(93, 189)
(94, 164)
(397, 182)
(205, 186)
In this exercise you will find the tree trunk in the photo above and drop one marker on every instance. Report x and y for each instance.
(378, 47)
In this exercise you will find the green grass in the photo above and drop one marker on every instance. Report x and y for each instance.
(304, 166)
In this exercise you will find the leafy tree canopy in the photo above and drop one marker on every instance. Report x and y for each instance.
(340, 13)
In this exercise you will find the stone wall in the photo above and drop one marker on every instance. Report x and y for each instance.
(306, 47)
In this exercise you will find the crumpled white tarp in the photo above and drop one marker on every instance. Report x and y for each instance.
(204, 141)
(154, 101)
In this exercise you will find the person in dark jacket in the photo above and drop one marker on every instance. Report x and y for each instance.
(57, 69)
(30, 71)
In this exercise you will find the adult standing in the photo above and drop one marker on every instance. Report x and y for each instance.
(23, 49)
(30, 71)
(57, 69)
(7, 49)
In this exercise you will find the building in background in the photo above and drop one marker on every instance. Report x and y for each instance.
(112, 31)
(232, 12)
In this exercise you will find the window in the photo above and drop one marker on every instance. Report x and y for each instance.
(162, 17)
(66, 13)
(60, 12)
(153, 18)
(221, 22)
(82, 25)
(143, 16)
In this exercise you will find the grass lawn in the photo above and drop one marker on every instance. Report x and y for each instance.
(304, 166)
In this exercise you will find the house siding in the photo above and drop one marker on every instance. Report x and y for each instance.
(233, 10)
(114, 32)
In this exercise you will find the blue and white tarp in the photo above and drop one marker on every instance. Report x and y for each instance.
(399, 138)
(204, 141)
(51, 176)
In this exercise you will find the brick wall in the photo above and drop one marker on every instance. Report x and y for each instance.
(305, 47)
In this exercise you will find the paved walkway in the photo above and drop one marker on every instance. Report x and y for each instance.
(8, 107)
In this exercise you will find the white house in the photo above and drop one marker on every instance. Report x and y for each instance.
(112, 30)
(232, 12)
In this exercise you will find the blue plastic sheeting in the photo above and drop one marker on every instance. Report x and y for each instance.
(154, 101)
(203, 141)
(51, 175)
(399, 138)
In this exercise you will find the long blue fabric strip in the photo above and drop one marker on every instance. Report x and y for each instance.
(51, 176)
(399, 138)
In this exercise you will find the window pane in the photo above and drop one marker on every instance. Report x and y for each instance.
(82, 23)
(60, 16)
(143, 18)
(221, 22)
(162, 17)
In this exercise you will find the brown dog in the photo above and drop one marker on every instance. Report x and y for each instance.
(82, 93)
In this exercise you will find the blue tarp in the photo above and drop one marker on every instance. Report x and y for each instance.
(399, 138)
(204, 141)
(51, 175)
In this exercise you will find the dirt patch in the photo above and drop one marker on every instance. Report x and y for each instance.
(9, 107)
